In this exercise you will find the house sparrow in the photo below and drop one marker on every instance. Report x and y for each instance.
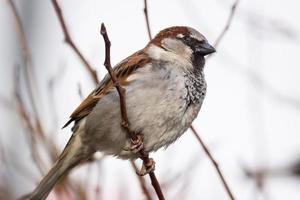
(165, 88)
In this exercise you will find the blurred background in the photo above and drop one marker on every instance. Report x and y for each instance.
(250, 119)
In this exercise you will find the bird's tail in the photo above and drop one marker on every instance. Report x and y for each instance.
(72, 155)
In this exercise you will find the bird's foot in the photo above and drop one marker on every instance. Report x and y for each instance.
(137, 144)
(147, 167)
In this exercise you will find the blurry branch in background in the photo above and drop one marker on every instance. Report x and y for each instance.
(295, 168)
(260, 175)
(28, 68)
(227, 25)
(34, 131)
(214, 162)
(20, 107)
(204, 146)
(147, 162)
(36, 124)
(80, 93)
(147, 19)
(52, 83)
(70, 42)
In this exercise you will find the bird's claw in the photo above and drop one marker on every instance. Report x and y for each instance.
(137, 145)
(147, 168)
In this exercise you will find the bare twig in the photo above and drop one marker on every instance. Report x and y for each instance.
(70, 42)
(147, 19)
(125, 123)
(227, 25)
(214, 162)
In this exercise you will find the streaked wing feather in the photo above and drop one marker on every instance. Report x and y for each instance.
(123, 70)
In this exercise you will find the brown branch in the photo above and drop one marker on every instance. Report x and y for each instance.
(147, 19)
(125, 123)
(228, 23)
(214, 162)
(70, 42)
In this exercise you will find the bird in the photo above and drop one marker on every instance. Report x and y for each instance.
(165, 88)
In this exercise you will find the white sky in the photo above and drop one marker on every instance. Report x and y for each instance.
(251, 113)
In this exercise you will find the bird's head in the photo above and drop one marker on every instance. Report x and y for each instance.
(184, 41)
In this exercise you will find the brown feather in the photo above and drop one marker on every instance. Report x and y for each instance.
(123, 70)
(171, 32)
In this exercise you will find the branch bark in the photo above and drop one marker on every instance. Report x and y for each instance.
(125, 123)
(147, 19)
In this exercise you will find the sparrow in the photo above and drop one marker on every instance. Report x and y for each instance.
(165, 87)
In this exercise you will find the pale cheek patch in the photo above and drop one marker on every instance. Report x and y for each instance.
(180, 35)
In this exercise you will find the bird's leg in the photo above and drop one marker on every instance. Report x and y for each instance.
(147, 167)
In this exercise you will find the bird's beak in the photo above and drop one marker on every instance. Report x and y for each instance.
(205, 48)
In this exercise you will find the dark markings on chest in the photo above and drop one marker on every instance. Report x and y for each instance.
(195, 83)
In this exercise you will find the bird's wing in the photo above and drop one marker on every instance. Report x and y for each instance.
(123, 70)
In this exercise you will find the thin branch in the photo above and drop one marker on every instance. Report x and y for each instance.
(70, 42)
(147, 19)
(214, 162)
(125, 123)
(228, 23)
